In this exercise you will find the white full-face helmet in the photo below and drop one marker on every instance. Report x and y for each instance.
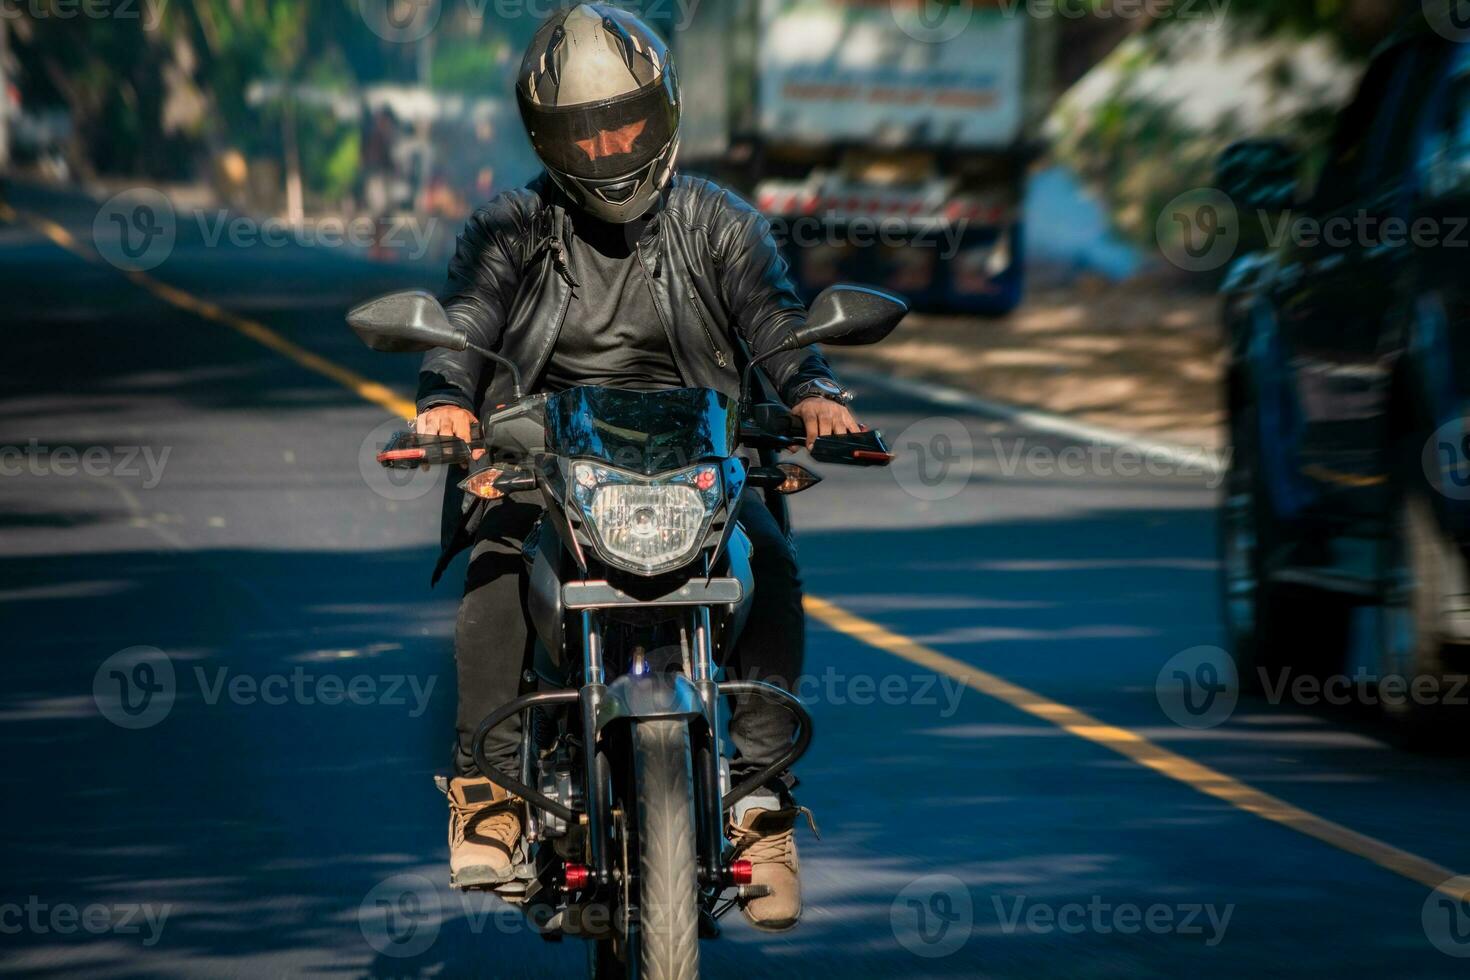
(600, 101)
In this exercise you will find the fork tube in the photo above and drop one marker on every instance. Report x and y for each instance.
(703, 659)
(593, 688)
(592, 668)
(528, 773)
(712, 822)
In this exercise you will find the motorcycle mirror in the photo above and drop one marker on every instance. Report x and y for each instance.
(842, 315)
(850, 316)
(406, 322)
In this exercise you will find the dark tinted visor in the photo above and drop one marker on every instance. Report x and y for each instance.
(602, 140)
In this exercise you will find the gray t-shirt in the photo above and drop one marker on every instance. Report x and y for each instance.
(612, 335)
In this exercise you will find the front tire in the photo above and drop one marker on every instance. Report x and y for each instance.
(668, 864)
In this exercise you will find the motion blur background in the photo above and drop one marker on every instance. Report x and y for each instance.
(1113, 470)
(1047, 137)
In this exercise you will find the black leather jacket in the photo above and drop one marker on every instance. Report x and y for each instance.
(720, 286)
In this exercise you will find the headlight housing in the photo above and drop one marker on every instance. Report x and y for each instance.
(647, 524)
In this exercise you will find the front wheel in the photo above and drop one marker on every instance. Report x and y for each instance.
(667, 916)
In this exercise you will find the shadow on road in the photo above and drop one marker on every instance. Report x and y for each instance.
(273, 829)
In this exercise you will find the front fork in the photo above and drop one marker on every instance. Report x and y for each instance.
(596, 813)
(709, 813)
(599, 793)
(704, 743)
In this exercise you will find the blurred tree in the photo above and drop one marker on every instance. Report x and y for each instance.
(123, 79)
(110, 76)
(1148, 121)
(1356, 26)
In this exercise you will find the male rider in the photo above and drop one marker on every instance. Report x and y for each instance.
(611, 269)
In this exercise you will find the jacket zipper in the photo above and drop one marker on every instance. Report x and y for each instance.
(550, 345)
(563, 267)
(708, 334)
(659, 312)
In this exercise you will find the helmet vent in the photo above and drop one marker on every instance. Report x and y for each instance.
(619, 193)
(548, 60)
(625, 43)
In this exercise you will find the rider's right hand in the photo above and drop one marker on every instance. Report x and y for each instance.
(447, 420)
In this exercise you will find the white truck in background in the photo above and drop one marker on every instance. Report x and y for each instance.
(887, 140)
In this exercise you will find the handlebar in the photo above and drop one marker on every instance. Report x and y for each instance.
(515, 430)
(771, 426)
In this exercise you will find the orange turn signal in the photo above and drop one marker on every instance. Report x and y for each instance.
(798, 478)
(482, 484)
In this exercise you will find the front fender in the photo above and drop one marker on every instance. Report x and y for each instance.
(649, 697)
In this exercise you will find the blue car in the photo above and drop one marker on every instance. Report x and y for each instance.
(1346, 522)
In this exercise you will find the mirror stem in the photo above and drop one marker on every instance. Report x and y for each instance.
(788, 344)
(515, 372)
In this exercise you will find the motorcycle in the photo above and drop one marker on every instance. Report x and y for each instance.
(639, 583)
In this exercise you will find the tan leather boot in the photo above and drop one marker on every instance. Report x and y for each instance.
(767, 839)
(484, 828)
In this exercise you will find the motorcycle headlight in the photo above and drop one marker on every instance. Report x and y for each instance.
(647, 524)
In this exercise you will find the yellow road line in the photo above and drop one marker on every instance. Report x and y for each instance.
(1126, 743)
(369, 390)
(1138, 749)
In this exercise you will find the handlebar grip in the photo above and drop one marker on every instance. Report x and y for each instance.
(866, 448)
(407, 450)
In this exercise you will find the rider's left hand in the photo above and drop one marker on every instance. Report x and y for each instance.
(824, 417)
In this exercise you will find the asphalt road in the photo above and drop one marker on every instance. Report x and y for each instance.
(172, 483)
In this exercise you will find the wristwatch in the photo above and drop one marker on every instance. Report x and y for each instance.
(823, 388)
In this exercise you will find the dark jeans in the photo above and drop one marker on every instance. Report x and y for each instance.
(493, 640)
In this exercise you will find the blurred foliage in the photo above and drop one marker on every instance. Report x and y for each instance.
(1355, 26)
(1139, 144)
(164, 100)
(462, 64)
(338, 165)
